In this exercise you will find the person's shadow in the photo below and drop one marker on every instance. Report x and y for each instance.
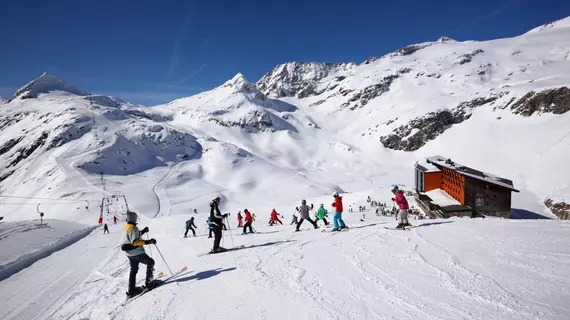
(203, 275)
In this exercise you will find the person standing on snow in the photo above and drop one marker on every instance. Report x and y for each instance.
(210, 230)
(402, 203)
(337, 219)
(295, 219)
(274, 218)
(240, 218)
(248, 221)
(217, 223)
(133, 247)
(305, 215)
(105, 229)
(115, 219)
(190, 226)
(322, 214)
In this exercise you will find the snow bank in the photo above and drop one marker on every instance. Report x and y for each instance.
(25, 242)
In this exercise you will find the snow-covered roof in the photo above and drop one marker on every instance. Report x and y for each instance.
(441, 198)
(427, 167)
(470, 172)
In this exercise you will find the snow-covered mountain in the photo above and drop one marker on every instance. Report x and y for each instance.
(303, 129)
(470, 100)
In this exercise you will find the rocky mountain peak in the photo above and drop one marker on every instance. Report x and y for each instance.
(240, 84)
(44, 84)
(445, 39)
(557, 24)
(298, 78)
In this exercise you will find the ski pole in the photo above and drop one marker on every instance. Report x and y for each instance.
(172, 273)
(149, 248)
(230, 228)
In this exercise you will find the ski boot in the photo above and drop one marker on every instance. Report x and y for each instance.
(150, 284)
(218, 250)
(344, 227)
(135, 291)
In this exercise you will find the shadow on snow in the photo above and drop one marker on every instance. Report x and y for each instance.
(525, 214)
(204, 274)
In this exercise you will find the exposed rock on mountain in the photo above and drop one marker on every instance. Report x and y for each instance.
(555, 101)
(419, 131)
(44, 84)
(560, 209)
(298, 78)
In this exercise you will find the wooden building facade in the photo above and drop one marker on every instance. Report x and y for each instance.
(483, 193)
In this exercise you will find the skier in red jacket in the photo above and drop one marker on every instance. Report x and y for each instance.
(402, 203)
(337, 220)
(239, 217)
(248, 222)
(274, 218)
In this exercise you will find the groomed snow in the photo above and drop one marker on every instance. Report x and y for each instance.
(442, 269)
(25, 242)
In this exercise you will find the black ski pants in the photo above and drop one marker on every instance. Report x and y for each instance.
(134, 261)
(217, 236)
(324, 220)
(193, 231)
(308, 219)
(246, 226)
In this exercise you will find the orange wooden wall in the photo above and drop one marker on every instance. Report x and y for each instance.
(432, 180)
(454, 184)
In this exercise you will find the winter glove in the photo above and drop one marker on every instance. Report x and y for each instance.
(145, 230)
(150, 241)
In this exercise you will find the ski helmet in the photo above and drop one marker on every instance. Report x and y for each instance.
(304, 202)
(335, 194)
(217, 199)
(394, 187)
(322, 205)
(131, 216)
(245, 210)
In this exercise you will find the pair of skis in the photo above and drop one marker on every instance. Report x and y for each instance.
(401, 229)
(227, 250)
(161, 282)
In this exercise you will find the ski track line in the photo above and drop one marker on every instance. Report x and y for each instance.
(429, 301)
(477, 286)
(395, 298)
(154, 189)
(296, 286)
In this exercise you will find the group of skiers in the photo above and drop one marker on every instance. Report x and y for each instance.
(133, 244)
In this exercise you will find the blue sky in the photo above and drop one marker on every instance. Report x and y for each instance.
(151, 52)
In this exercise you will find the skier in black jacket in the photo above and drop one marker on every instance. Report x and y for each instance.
(217, 221)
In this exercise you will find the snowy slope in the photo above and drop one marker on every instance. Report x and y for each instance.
(31, 241)
(499, 270)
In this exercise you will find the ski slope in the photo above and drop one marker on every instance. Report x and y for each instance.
(441, 269)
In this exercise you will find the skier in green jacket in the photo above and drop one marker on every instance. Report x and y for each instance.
(190, 226)
(322, 214)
